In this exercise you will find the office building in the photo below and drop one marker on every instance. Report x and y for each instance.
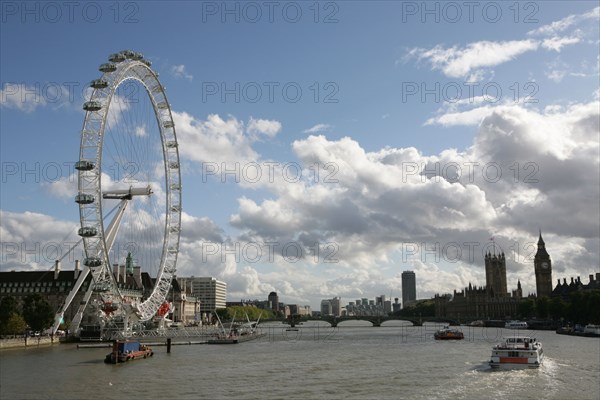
(409, 288)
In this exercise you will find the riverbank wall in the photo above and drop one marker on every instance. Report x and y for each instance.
(30, 341)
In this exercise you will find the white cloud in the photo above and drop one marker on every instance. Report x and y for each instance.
(264, 126)
(21, 97)
(556, 75)
(379, 204)
(455, 118)
(213, 140)
(179, 71)
(563, 24)
(33, 241)
(459, 62)
(319, 128)
(557, 43)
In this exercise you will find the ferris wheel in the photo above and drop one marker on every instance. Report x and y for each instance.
(129, 190)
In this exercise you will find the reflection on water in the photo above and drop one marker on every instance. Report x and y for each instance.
(352, 361)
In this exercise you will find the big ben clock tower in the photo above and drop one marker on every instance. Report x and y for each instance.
(543, 270)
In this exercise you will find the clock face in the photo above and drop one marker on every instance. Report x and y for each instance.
(545, 265)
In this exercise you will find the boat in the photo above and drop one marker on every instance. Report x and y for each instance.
(238, 333)
(592, 330)
(448, 333)
(125, 350)
(517, 352)
(235, 338)
(516, 325)
(589, 330)
(478, 323)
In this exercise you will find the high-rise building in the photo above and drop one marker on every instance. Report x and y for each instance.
(326, 307)
(331, 307)
(336, 306)
(211, 292)
(543, 270)
(409, 287)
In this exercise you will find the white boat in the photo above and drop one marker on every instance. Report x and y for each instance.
(516, 325)
(592, 329)
(517, 352)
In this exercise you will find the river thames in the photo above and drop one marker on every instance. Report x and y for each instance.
(352, 361)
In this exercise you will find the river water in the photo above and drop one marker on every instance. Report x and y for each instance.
(352, 361)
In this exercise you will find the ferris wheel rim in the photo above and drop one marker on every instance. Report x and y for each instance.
(128, 66)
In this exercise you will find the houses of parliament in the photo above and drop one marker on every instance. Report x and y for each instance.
(494, 301)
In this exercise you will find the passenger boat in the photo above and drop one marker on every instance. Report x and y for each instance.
(516, 325)
(592, 330)
(125, 350)
(517, 352)
(447, 333)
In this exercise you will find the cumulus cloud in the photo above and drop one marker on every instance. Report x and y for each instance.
(212, 140)
(218, 140)
(33, 241)
(264, 126)
(522, 172)
(367, 215)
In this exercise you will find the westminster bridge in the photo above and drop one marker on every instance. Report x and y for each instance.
(376, 320)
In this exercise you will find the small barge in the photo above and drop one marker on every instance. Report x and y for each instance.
(125, 350)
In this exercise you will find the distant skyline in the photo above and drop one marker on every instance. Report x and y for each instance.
(325, 146)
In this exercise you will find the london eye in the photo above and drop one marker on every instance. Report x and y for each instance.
(129, 192)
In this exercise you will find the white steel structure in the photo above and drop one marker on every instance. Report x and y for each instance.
(129, 164)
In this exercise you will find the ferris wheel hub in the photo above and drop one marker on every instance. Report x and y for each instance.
(127, 193)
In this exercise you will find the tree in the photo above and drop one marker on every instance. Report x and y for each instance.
(37, 312)
(15, 325)
(542, 305)
(8, 307)
(422, 309)
(527, 308)
(557, 307)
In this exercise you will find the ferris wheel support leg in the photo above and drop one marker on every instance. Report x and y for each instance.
(79, 315)
(58, 319)
(113, 228)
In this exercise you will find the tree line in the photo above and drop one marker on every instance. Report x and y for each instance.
(239, 312)
(35, 314)
(577, 308)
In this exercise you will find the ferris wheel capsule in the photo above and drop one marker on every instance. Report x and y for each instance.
(92, 105)
(117, 57)
(107, 67)
(98, 84)
(84, 165)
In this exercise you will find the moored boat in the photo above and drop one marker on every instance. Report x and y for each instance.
(517, 352)
(125, 350)
(591, 329)
(448, 333)
(516, 325)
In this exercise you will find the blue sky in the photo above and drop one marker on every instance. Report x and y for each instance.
(361, 68)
